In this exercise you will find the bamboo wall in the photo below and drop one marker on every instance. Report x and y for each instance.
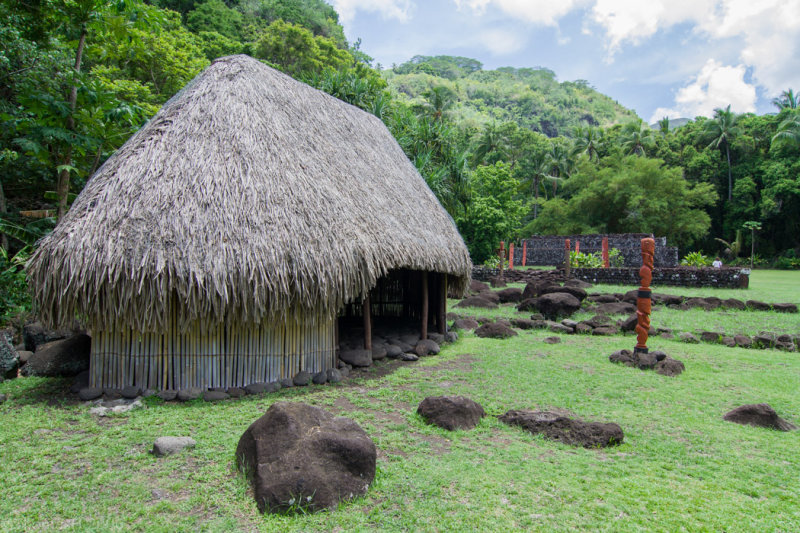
(221, 356)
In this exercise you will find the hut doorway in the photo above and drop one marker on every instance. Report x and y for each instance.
(404, 305)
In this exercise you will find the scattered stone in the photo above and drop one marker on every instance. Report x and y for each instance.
(583, 328)
(167, 395)
(24, 356)
(81, 381)
(494, 330)
(710, 336)
(763, 340)
(510, 295)
(301, 379)
(616, 308)
(624, 357)
(605, 330)
(334, 375)
(566, 430)
(256, 388)
(569, 323)
(729, 342)
(172, 445)
(215, 395)
(701, 303)
(33, 335)
(523, 323)
(358, 357)
(557, 305)
(465, 323)
(426, 347)
(497, 281)
(477, 301)
(298, 456)
(644, 361)
(629, 324)
(551, 340)
(759, 415)
(688, 337)
(112, 393)
(478, 286)
(286, 383)
(666, 299)
(409, 357)
(758, 306)
(90, 393)
(598, 321)
(602, 298)
(662, 329)
(66, 357)
(733, 303)
(580, 294)
(560, 328)
(345, 372)
(578, 283)
(450, 336)
(393, 351)
(451, 412)
(320, 378)
(785, 308)
(534, 288)
(236, 392)
(130, 392)
(187, 395)
(669, 367)
(667, 336)
(438, 338)
(743, 341)
(115, 407)
(712, 302)
(379, 352)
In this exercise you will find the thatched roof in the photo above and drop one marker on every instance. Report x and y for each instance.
(249, 195)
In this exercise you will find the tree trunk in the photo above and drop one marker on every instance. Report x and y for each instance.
(62, 187)
(536, 198)
(730, 179)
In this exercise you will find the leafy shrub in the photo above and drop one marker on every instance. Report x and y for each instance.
(788, 261)
(595, 260)
(14, 297)
(615, 259)
(696, 259)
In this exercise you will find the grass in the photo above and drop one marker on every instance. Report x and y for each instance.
(681, 466)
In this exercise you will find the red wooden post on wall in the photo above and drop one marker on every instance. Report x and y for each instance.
(577, 246)
(606, 263)
(511, 256)
(502, 254)
(524, 252)
(567, 249)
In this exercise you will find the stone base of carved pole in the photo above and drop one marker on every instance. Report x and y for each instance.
(643, 301)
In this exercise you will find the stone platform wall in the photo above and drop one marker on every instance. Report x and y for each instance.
(548, 250)
(728, 278)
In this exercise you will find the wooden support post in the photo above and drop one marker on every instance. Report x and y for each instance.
(511, 256)
(502, 255)
(577, 246)
(566, 257)
(441, 322)
(367, 312)
(606, 262)
(524, 252)
(424, 334)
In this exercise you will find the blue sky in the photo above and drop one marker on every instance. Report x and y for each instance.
(677, 58)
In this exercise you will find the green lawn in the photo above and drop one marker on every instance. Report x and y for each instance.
(681, 468)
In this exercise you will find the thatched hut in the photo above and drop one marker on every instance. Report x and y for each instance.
(218, 246)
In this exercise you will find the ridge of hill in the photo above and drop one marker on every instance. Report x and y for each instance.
(531, 97)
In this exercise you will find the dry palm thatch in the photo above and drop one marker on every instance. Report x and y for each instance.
(249, 196)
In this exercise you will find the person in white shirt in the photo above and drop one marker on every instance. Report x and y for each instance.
(717, 263)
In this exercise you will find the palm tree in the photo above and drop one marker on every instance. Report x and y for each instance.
(587, 141)
(788, 133)
(637, 137)
(787, 100)
(438, 101)
(561, 165)
(721, 131)
(491, 141)
(663, 126)
(539, 170)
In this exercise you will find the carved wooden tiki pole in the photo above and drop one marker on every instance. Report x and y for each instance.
(643, 301)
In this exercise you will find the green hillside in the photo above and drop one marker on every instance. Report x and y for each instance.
(531, 97)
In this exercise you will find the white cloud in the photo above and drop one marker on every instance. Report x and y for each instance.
(388, 9)
(716, 86)
(545, 12)
(502, 41)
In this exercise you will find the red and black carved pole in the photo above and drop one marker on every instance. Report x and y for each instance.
(643, 302)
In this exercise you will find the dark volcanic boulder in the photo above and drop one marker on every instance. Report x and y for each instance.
(478, 286)
(510, 295)
(494, 330)
(66, 357)
(624, 357)
(616, 308)
(451, 412)
(523, 323)
(602, 298)
(758, 306)
(534, 288)
(9, 359)
(356, 357)
(497, 281)
(577, 283)
(760, 415)
(669, 367)
(578, 293)
(605, 330)
(785, 308)
(477, 301)
(566, 430)
(300, 457)
(630, 323)
(426, 347)
(465, 323)
(733, 303)
(557, 305)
